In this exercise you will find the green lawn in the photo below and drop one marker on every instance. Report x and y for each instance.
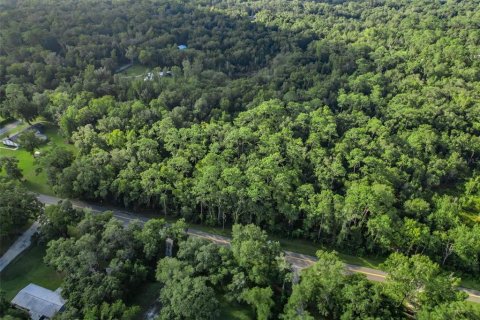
(33, 181)
(28, 268)
(135, 70)
(470, 282)
(475, 306)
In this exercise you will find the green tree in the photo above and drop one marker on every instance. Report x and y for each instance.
(17, 206)
(452, 310)
(315, 295)
(53, 161)
(184, 296)
(57, 219)
(420, 282)
(114, 311)
(10, 165)
(29, 141)
(257, 255)
(261, 300)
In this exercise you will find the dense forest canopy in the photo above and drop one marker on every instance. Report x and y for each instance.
(352, 123)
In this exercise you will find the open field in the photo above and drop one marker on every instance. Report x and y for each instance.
(29, 268)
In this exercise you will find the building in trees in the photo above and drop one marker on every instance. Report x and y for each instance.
(39, 302)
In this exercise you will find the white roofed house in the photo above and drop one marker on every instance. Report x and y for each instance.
(39, 302)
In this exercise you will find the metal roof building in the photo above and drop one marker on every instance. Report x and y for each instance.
(40, 302)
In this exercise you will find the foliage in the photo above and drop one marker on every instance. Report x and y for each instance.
(351, 124)
(324, 291)
(10, 165)
(184, 296)
(100, 265)
(116, 310)
(354, 125)
(29, 141)
(420, 282)
(57, 219)
(17, 206)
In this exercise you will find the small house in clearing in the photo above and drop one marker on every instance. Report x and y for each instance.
(39, 302)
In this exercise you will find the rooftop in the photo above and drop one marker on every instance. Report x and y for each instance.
(38, 301)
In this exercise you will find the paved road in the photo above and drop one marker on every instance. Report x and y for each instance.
(9, 127)
(299, 261)
(22, 243)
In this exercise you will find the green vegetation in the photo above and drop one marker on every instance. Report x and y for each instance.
(34, 181)
(18, 206)
(19, 128)
(6, 242)
(146, 298)
(29, 268)
(136, 70)
(233, 311)
(353, 125)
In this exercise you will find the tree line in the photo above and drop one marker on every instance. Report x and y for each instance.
(353, 124)
(105, 264)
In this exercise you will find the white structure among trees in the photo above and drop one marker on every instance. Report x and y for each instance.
(39, 302)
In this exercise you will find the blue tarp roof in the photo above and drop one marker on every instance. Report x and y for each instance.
(182, 47)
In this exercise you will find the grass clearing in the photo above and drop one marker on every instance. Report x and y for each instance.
(470, 282)
(33, 181)
(474, 305)
(27, 268)
(134, 71)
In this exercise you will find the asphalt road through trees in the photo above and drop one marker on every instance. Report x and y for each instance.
(298, 261)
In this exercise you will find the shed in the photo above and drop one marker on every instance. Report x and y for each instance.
(39, 302)
(182, 47)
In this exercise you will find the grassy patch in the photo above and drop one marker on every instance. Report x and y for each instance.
(470, 282)
(134, 71)
(234, 311)
(310, 248)
(475, 306)
(6, 242)
(33, 181)
(28, 268)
